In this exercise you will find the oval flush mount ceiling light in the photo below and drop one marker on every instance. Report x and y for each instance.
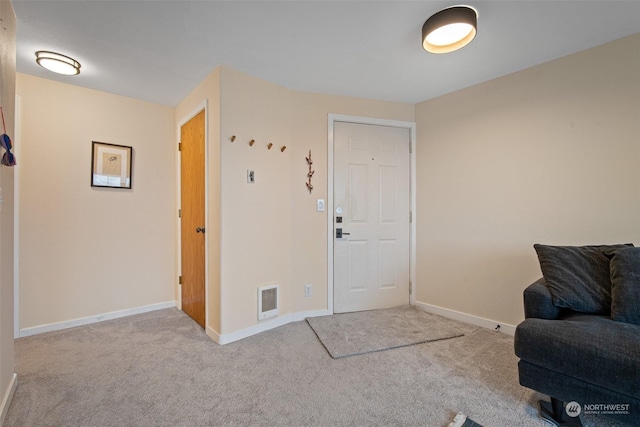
(58, 63)
(449, 30)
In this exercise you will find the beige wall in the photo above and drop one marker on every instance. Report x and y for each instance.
(309, 132)
(271, 232)
(547, 155)
(256, 218)
(208, 93)
(500, 166)
(73, 262)
(7, 101)
(267, 232)
(86, 251)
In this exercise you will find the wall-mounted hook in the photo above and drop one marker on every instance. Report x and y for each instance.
(233, 138)
(253, 141)
(269, 145)
(284, 147)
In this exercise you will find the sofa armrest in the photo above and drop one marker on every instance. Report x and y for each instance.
(537, 302)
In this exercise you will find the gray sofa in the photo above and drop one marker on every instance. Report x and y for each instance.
(581, 344)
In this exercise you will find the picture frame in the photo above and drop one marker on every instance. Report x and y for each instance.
(111, 165)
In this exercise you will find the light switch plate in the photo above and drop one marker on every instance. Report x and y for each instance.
(320, 205)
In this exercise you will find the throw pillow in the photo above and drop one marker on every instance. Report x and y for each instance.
(625, 285)
(578, 276)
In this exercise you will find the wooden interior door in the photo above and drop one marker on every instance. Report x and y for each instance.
(192, 205)
(371, 220)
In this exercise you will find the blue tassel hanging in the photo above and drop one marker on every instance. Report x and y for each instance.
(8, 159)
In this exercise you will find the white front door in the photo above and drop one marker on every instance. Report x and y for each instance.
(371, 210)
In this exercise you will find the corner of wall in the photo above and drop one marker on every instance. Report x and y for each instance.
(7, 225)
(7, 397)
(214, 209)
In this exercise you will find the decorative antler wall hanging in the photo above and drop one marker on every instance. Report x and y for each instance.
(310, 174)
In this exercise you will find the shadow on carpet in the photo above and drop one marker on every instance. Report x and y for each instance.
(351, 334)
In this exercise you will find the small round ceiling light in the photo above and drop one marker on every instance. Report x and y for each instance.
(450, 29)
(58, 63)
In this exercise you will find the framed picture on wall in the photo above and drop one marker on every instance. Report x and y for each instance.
(111, 165)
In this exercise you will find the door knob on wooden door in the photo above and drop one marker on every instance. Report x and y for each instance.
(200, 230)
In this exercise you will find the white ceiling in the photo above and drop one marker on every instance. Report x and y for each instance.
(159, 51)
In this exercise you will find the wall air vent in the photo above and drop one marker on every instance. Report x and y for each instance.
(267, 301)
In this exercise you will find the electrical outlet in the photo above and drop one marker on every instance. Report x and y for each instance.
(307, 290)
(251, 177)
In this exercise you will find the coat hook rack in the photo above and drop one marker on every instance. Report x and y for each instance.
(269, 145)
(284, 147)
(253, 141)
(233, 138)
(310, 173)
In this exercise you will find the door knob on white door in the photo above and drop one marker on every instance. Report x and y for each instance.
(340, 233)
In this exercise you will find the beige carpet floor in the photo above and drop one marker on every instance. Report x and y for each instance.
(160, 369)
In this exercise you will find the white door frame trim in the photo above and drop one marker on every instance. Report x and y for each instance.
(332, 119)
(204, 105)
(16, 219)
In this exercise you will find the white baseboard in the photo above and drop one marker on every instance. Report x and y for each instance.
(8, 396)
(298, 316)
(301, 315)
(26, 332)
(467, 318)
(264, 325)
(214, 335)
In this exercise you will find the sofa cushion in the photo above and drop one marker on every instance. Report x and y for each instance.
(594, 349)
(578, 276)
(625, 285)
(538, 303)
